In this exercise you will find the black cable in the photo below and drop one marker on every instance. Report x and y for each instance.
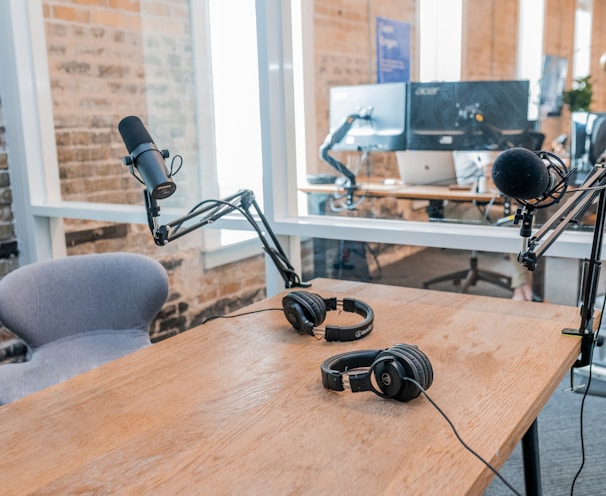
(585, 393)
(460, 439)
(218, 204)
(174, 171)
(213, 317)
(588, 188)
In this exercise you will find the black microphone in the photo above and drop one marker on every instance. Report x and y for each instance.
(146, 157)
(526, 175)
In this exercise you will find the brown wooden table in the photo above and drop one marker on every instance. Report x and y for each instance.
(236, 406)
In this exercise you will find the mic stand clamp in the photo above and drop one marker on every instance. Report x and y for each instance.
(209, 211)
(526, 257)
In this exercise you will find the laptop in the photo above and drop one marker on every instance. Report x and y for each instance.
(422, 167)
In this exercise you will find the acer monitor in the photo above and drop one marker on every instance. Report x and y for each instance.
(467, 115)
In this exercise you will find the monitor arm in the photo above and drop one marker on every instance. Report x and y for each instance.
(534, 247)
(208, 211)
(335, 138)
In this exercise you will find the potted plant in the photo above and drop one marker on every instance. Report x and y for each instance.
(579, 97)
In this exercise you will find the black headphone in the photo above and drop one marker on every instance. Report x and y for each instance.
(305, 311)
(390, 368)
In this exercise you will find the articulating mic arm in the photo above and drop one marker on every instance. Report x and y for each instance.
(534, 247)
(335, 138)
(208, 211)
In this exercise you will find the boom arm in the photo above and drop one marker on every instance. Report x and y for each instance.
(208, 212)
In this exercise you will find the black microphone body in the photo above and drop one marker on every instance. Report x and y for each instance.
(521, 174)
(146, 157)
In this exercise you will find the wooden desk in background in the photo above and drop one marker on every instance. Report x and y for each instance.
(419, 192)
(237, 406)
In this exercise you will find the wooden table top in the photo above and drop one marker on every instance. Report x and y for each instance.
(237, 406)
(400, 190)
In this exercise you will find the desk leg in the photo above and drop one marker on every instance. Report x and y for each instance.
(435, 209)
(532, 465)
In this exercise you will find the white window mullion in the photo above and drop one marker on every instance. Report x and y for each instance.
(530, 50)
(276, 90)
(205, 112)
(30, 131)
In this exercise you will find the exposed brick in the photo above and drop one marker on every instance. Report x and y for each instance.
(86, 236)
(7, 231)
(98, 3)
(70, 14)
(127, 5)
(115, 19)
(6, 197)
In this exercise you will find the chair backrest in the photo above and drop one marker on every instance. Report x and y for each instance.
(533, 140)
(46, 301)
(597, 144)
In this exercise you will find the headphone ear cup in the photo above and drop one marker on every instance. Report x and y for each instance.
(426, 376)
(396, 365)
(389, 375)
(304, 310)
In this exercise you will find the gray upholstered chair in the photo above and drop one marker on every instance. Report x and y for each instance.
(77, 313)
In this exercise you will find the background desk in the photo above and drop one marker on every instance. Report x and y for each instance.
(419, 192)
(237, 406)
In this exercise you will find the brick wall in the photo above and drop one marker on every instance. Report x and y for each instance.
(8, 246)
(11, 349)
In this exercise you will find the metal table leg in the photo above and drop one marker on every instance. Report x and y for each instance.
(532, 465)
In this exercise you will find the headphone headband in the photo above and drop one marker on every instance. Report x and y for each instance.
(305, 311)
(393, 370)
(333, 369)
(353, 332)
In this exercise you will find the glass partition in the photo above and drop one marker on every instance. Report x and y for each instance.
(492, 94)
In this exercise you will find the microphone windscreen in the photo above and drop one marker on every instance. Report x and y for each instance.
(521, 174)
(133, 132)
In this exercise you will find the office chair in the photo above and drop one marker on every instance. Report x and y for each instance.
(77, 313)
(597, 144)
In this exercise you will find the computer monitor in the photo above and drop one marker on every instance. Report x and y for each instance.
(467, 115)
(385, 130)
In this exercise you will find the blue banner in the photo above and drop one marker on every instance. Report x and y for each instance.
(393, 51)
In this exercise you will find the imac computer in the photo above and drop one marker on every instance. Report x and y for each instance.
(379, 117)
(467, 115)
